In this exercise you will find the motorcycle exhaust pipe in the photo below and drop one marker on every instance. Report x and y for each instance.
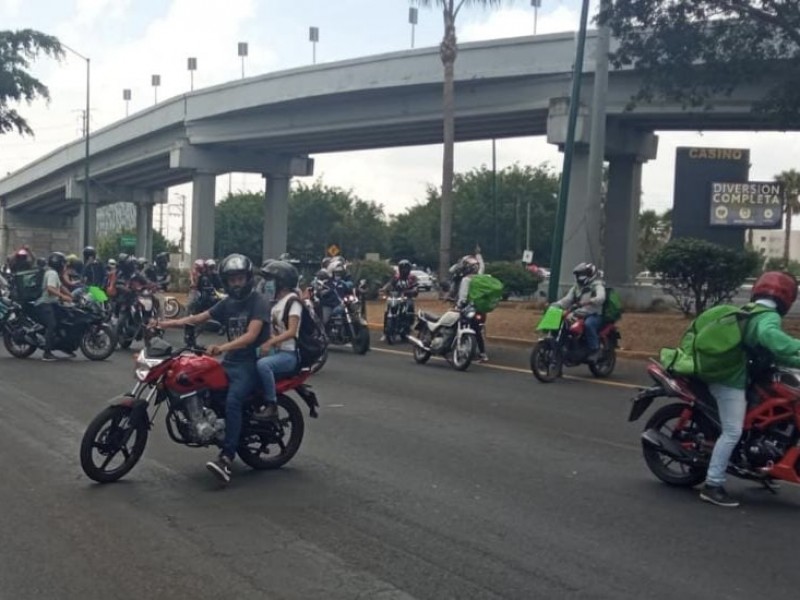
(418, 343)
(666, 445)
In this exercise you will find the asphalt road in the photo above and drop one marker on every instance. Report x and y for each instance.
(415, 482)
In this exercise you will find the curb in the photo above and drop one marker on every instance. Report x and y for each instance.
(521, 342)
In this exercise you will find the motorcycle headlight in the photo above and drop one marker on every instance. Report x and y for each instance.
(470, 314)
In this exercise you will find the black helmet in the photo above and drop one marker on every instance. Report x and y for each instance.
(57, 261)
(237, 264)
(88, 253)
(162, 259)
(585, 273)
(404, 268)
(121, 258)
(141, 262)
(283, 273)
(264, 265)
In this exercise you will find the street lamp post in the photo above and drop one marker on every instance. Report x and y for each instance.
(536, 4)
(242, 53)
(313, 37)
(126, 96)
(413, 17)
(191, 64)
(155, 81)
(86, 146)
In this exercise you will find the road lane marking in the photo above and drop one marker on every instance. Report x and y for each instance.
(620, 384)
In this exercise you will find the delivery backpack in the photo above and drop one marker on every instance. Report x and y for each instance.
(28, 286)
(485, 292)
(310, 338)
(712, 348)
(612, 306)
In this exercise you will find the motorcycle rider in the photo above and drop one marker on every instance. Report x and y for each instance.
(588, 294)
(246, 316)
(161, 268)
(195, 276)
(52, 292)
(406, 284)
(22, 260)
(279, 352)
(93, 272)
(337, 286)
(465, 269)
(212, 274)
(762, 334)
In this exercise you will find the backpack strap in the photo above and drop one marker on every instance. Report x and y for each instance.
(290, 300)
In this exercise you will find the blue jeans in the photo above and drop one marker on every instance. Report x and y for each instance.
(591, 328)
(732, 405)
(282, 362)
(242, 382)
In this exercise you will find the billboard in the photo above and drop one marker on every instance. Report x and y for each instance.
(754, 204)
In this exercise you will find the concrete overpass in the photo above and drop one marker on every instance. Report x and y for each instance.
(273, 124)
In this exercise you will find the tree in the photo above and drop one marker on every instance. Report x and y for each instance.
(791, 180)
(109, 246)
(699, 274)
(448, 51)
(691, 50)
(654, 232)
(239, 225)
(17, 50)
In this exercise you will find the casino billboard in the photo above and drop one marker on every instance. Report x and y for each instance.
(752, 204)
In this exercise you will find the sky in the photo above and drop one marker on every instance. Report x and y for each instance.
(129, 40)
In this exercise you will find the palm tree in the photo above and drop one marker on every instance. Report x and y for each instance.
(791, 181)
(448, 51)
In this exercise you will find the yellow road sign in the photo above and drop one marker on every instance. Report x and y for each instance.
(333, 250)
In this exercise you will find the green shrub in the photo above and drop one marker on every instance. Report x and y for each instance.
(516, 278)
(376, 273)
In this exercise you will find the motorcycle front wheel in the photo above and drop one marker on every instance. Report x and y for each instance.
(112, 444)
(463, 352)
(545, 361)
(15, 348)
(267, 445)
(360, 341)
(98, 342)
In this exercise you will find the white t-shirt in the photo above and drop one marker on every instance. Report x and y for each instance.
(278, 326)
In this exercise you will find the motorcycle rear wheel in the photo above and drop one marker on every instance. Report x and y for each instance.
(545, 361)
(109, 434)
(98, 342)
(17, 349)
(258, 437)
(664, 467)
(605, 366)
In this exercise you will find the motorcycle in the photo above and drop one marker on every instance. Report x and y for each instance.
(398, 320)
(134, 319)
(678, 438)
(346, 324)
(450, 335)
(95, 299)
(565, 346)
(78, 327)
(192, 386)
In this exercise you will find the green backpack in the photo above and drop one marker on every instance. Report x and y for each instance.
(485, 292)
(612, 307)
(711, 349)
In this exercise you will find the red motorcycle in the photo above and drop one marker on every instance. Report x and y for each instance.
(679, 437)
(192, 386)
(564, 345)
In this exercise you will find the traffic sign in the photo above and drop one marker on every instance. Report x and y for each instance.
(527, 257)
(127, 241)
(333, 250)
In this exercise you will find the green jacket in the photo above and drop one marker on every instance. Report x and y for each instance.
(763, 332)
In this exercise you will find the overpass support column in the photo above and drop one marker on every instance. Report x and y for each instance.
(276, 216)
(144, 225)
(203, 194)
(90, 221)
(622, 219)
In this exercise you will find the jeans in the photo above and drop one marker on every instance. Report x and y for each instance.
(46, 315)
(732, 405)
(282, 362)
(591, 328)
(242, 381)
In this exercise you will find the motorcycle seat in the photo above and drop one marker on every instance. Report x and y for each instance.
(430, 317)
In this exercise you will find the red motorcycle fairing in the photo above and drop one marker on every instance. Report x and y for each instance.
(189, 373)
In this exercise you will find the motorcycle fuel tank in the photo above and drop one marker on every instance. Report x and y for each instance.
(192, 373)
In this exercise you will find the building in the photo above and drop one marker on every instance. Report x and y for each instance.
(769, 242)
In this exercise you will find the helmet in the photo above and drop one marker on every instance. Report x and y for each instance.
(22, 258)
(237, 264)
(88, 253)
(162, 259)
(322, 275)
(122, 258)
(211, 265)
(325, 262)
(199, 265)
(777, 286)
(141, 263)
(404, 268)
(264, 265)
(585, 273)
(57, 261)
(337, 266)
(283, 273)
(470, 265)
(72, 259)
(111, 263)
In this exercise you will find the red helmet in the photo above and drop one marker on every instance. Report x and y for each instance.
(778, 286)
(199, 265)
